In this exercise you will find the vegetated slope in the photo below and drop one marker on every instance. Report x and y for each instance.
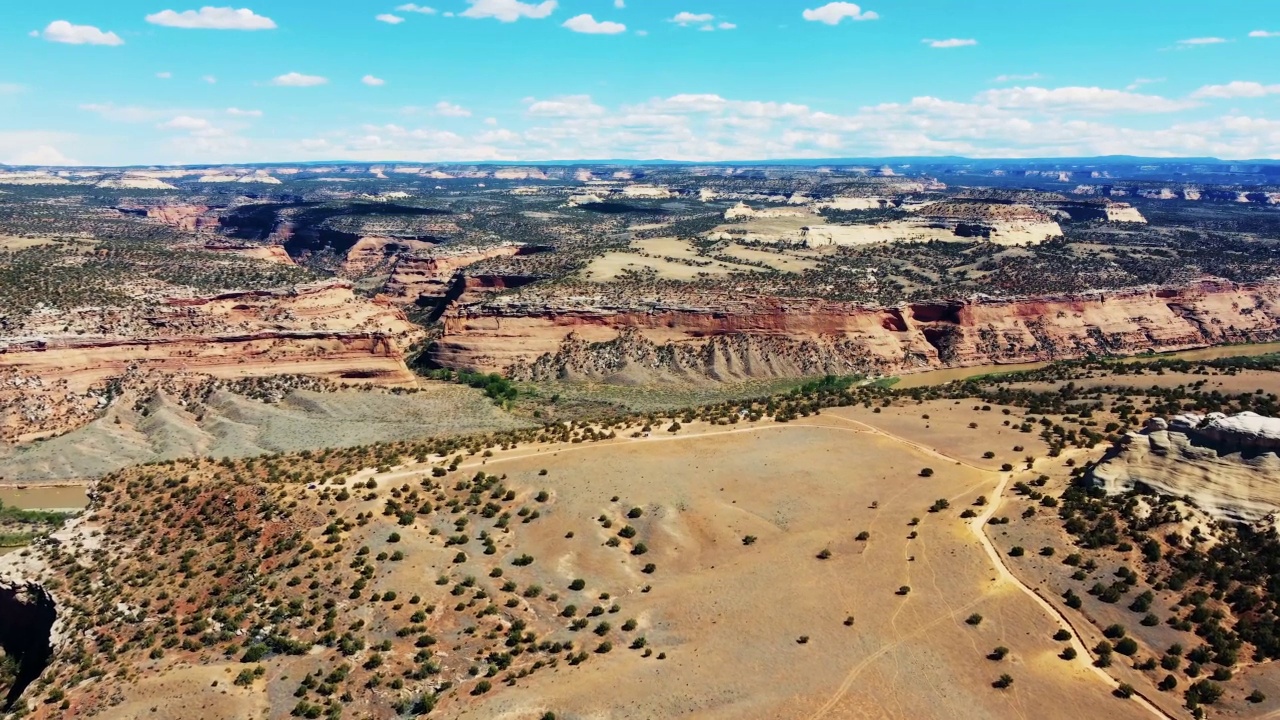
(150, 426)
(596, 576)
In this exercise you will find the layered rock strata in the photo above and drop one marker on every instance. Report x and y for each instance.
(744, 337)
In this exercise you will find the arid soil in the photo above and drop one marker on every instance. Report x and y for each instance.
(804, 619)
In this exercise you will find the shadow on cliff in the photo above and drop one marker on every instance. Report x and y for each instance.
(27, 613)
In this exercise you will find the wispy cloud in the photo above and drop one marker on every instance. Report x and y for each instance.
(295, 79)
(833, 13)
(445, 108)
(1080, 99)
(1264, 34)
(373, 81)
(212, 18)
(508, 10)
(949, 43)
(389, 19)
(1139, 82)
(589, 25)
(688, 18)
(1017, 78)
(61, 31)
(1236, 89)
(422, 9)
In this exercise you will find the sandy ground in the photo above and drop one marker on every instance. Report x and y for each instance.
(796, 261)
(729, 616)
(665, 255)
(13, 243)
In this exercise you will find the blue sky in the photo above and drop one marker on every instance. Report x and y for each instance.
(152, 82)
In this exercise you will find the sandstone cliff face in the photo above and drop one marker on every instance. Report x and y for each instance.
(53, 380)
(184, 217)
(770, 337)
(429, 278)
(1227, 466)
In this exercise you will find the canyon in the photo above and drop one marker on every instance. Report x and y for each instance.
(732, 338)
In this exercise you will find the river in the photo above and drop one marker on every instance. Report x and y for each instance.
(942, 377)
(43, 497)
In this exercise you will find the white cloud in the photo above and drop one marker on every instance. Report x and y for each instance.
(1139, 82)
(11, 88)
(212, 18)
(508, 10)
(237, 112)
(422, 9)
(164, 75)
(295, 79)
(1017, 78)
(620, 4)
(196, 127)
(389, 19)
(448, 109)
(499, 137)
(186, 122)
(41, 155)
(833, 13)
(61, 31)
(212, 80)
(1081, 99)
(688, 18)
(125, 113)
(1264, 34)
(1203, 41)
(491, 121)
(565, 106)
(372, 81)
(950, 43)
(642, 33)
(590, 26)
(726, 26)
(1236, 89)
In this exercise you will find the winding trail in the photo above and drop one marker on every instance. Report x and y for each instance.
(978, 526)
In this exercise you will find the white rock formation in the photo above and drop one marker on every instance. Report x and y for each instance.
(1124, 212)
(652, 192)
(135, 182)
(1226, 465)
(31, 178)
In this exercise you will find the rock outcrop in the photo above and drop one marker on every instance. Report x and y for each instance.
(569, 338)
(427, 277)
(1226, 465)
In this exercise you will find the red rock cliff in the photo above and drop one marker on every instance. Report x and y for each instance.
(767, 337)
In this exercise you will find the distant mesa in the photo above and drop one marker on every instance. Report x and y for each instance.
(256, 176)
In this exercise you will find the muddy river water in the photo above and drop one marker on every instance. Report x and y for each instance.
(941, 377)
